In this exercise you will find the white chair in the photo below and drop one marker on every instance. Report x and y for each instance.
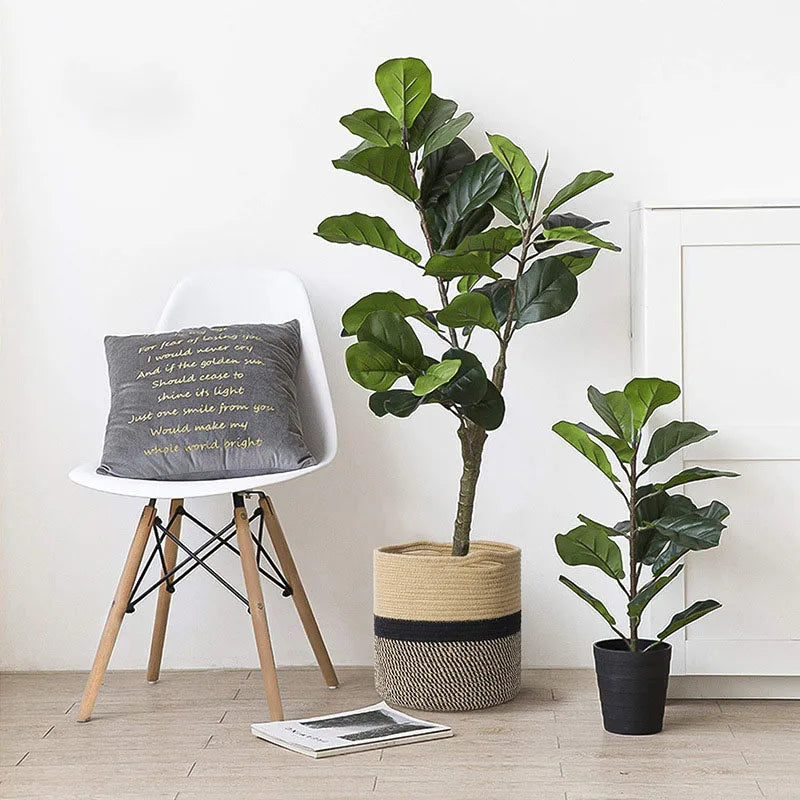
(223, 298)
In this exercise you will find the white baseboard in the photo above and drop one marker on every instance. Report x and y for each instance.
(735, 687)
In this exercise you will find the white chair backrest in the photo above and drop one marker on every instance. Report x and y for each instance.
(253, 296)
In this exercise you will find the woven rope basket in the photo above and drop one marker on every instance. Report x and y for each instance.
(447, 628)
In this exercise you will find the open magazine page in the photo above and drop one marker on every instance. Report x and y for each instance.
(376, 725)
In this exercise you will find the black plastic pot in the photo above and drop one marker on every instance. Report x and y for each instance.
(633, 686)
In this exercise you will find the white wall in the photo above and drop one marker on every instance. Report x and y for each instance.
(144, 140)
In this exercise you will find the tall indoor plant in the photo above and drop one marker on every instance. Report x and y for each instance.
(415, 150)
(659, 529)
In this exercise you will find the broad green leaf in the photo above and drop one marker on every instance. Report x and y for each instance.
(516, 163)
(443, 136)
(689, 615)
(581, 441)
(375, 126)
(599, 525)
(621, 449)
(472, 224)
(494, 243)
(578, 261)
(448, 267)
(489, 411)
(672, 437)
(646, 394)
(434, 114)
(371, 367)
(641, 599)
(381, 301)
(397, 402)
(546, 289)
(359, 148)
(395, 336)
(390, 166)
(590, 547)
(615, 410)
(693, 474)
(470, 383)
(568, 234)
(373, 231)
(472, 308)
(571, 221)
(441, 170)
(474, 187)
(583, 182)
(596, 604)
(435, 376)
(466, 282)
(499, 294)
(405, 85)
(508, 201)
(692, 531)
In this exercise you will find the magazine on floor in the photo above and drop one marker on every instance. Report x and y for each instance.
(367, 728)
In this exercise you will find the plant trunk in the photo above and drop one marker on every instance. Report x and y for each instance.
(473, 439)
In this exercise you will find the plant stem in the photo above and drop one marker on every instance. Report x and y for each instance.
(634, 572)
(473, 438)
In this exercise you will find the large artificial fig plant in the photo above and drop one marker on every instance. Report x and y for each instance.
(415, 149)
(660, 528)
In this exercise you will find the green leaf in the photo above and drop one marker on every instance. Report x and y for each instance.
(405, 85)
(371, 367)
(583, 182)
(395, 336)
(382, 301)
(390, 166)
(580, 440)
(568, 234)
(475, 186)
(444, 135)
(508, 201)
(434, 114)
(599, 526)
(397, 402)
(621, 449)
(472, 308)
(489, 411)
(641, 599)
(473, 223)
(470, 383)
(693, 474)
(441, 170)
(375, 126)
(359, 148)
(448, 267)
(590, 547)
(692, 531)
(373, 231)
(516, 163)
(689, 615)
(494, 243)
(499, 294)
(571, 221)
(615, 410)
(466, 282)
(546, 289)
(646, 394)
(596, 604)
(578, 261)
(672, 437)
(435, 376)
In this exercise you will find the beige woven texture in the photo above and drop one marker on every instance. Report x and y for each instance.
(422, 581)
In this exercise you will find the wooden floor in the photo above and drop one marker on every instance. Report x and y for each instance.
(188, 737)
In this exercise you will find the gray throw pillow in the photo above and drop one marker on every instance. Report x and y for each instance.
(204, 403)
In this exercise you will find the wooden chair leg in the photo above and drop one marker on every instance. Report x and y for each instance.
(164, 597)
(117, 611)
(298, 592)
(258, 615)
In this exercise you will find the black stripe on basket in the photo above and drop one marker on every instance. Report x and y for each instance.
(463, 631)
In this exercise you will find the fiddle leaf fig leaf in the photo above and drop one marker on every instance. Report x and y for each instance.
(621, 449)
(390, 166)
(599, 525)
(508, 201)
(689, 615)
(673, 437)
(615, 410)
(645, 395)
(590, 547)
(691, 475)
(580, 184)
(471, 308)
(435, 113)
(568, 234)
(359, 148)
(435, 376)
(515, 162)
(489, 411)
(442, 168)
(469, 385)
(397, 402)
(641, 599)
(473, 223)
(693, 531)
(596, 604)
(581, 441)
(546, 289)
(499, 294)
(496, 243)
(395, 336)
(578, 261)
(444, 135)
(361, 229)
(405, 85)
(375, 126)
(448, 267)
(371, 367)
(568, 220)
(353, 318)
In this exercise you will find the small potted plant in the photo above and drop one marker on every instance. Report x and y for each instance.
(660, 528)
(447, 616)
